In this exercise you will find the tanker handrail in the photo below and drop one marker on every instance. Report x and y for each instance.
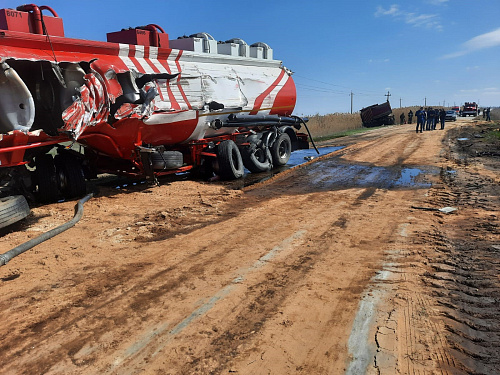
(46, 7)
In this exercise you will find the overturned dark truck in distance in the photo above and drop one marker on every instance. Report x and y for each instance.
(377, 115)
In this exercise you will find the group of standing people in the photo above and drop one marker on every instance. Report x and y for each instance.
(486, 113)
(428, 118)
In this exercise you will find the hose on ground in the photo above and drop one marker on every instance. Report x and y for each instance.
(308, 132)
(5, 257)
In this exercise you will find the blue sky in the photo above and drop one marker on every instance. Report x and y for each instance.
(434, 50)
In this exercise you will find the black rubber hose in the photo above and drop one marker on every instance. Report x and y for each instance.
(308, 132)
(249, 124)
(5, 257)
(240, 118)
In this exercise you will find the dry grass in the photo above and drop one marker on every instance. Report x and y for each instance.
(327, 125)
(495, 113)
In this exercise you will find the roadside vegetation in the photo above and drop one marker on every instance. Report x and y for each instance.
(335, 125)
(495, 113)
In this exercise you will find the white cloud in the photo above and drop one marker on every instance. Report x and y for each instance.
(429, 21)
(487, 91)
(392, 11)
(437, 2)
(372, 61)
(487, 40)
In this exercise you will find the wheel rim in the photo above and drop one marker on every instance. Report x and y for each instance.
(260, 155)
(283, 150)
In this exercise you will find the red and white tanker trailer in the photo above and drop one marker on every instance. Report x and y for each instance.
(137, 105)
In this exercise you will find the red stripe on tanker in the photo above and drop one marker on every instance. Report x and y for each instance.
(285, 100)
(259, 101)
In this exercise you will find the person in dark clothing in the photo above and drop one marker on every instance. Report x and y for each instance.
(442, 117)
(420, 119)
(410, 117)
(430, 119)
(402, 119)
(436, 118)
(488, 118)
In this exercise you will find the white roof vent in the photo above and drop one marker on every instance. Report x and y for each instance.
(199, 42)
(234, 47)
(261, 50)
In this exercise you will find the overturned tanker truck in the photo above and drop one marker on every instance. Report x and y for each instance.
(138, 105)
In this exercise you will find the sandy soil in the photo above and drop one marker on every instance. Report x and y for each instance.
(342, 265)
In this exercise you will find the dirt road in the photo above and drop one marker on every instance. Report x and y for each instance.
(334, 267)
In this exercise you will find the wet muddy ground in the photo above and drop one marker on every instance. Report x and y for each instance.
(342, 265)
(463, 270)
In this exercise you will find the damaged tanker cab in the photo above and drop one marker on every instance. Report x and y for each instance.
(139, 105)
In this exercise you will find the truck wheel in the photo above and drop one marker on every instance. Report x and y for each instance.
(255, 159)
(13, 209)
(281, 150)
(70, 176)
(46, 179)
(229, 160)
(167, 160)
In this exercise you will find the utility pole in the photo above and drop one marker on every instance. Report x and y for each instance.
(388, 94)
(400, 102)
(425, 102)
(351, 101)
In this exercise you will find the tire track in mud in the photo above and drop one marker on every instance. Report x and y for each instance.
(426, 346)
(99, 290)
(464, 283)
(95, 297)
(406, 146)
(263, 301)
(462, 273)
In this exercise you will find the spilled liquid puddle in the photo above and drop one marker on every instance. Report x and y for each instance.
(333, 174)
(409, 177)
(296, 158)
(302, 156)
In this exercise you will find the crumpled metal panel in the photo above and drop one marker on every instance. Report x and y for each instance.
(90, 108)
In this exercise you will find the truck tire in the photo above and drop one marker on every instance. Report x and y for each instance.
(13, 209)
(255, 159)
(281, 150)
(167, 160)
(46, 179)
(229, 160)
(70, 175)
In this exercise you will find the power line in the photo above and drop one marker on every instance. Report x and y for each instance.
(320, 89)
(364, 91)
